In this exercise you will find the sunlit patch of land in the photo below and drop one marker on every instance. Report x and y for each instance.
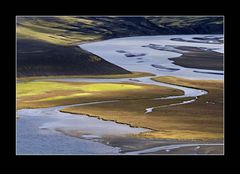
(51, 34)
(199, 84)
(201, 120)
(37, 94)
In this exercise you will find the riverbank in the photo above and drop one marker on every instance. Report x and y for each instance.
(111, 76)
(87, 135)
(158, 61)
(173, 122)
(132, 145)
(42, 94)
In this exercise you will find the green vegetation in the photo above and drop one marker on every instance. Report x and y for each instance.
(108, 87)
(36, 94)
(37, 88)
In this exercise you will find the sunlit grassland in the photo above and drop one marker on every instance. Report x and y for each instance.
(63, 97)
(37, 94)
(202, 119)
(37, 88)
(200, 84)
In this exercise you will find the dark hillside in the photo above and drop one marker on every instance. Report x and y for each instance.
(36, 58)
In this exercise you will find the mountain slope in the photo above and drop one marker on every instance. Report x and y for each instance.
(190, 25)
(71, 29)
(47, 45)
(36, 58)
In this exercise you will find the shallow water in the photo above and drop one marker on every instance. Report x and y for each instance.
(108, 50)
(33, 140)
(36, 132)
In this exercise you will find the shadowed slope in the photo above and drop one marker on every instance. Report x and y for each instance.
(35, 58)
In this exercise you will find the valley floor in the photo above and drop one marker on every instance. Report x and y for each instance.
(173, 125)
(179, 113)
(202, 119)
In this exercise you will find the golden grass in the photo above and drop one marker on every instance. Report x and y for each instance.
(200, 84)
(60, 97)
(40, 87)
(36, 94)
(182, 135)
(202, 119)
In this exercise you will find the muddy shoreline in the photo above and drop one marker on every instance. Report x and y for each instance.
(130, 145)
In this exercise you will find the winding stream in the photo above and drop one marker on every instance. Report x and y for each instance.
(47, 130)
